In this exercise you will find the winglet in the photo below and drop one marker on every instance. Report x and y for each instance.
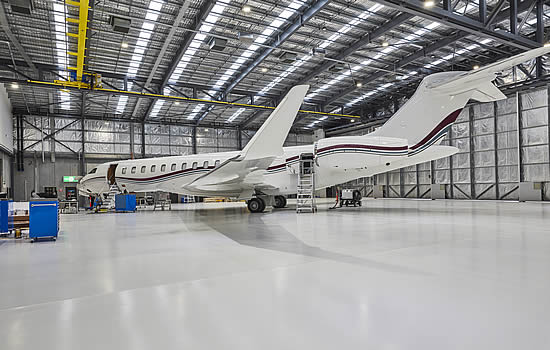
(269, 139)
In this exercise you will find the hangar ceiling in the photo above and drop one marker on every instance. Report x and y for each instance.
(361, 58)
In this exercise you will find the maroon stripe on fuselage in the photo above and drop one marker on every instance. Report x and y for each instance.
(291, 158)
(163, 175)
(451, 118)
(377, 148)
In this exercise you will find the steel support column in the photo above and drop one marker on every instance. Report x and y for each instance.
(539, 35)
(513, 16)
(471, 151)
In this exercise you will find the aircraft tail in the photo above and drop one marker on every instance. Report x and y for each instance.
(269, 139)
(427, 116)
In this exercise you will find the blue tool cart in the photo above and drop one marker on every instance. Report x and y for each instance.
(6, 216)
(43, 219)
(125, 202)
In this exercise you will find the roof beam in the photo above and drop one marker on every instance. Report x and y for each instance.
(160, 56)
(203, 13)
(6, 27)
(6, 63)
(380, 31)
(466, 24)
(503, 15)
(399, 64)
(291, 29)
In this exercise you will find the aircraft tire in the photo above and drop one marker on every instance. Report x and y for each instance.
(256, 205)
(279, 202)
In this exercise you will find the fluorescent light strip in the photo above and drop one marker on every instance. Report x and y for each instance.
(199, 38)
(158, 104)
(387, 50)
(141, 44)
(252, 48)
(235, 115)
(61, 48)
(362, 17)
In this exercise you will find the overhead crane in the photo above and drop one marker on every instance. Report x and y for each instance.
(81, 79)
(78, 77)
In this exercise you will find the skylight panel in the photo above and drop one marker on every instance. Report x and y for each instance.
(210, 20)
(276, 23)
(364, 15)
(236, 115)
(143, 41)
(61, 49)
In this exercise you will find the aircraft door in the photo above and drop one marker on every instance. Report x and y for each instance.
(111, 174)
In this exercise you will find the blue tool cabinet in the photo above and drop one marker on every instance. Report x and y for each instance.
(6, 216)
(43, 219)
(125, 202)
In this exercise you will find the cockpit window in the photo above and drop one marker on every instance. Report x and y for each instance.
(93, 171)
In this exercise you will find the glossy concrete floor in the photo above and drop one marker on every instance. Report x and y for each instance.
(394, 274)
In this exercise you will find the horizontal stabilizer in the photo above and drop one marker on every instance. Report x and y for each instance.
(487, 92)
(488, 73)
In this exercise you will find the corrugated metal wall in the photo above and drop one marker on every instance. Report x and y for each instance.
(501, 144)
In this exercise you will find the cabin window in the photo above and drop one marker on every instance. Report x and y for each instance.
(173, 167)
(93, 171)
(153, 167)
(143, 169)
(195, 165)
(217, 164)
(183, 166)
(123, 171)
(163, 167)
(133, 170)
(205, 165)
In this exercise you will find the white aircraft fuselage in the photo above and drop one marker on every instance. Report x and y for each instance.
(338, 160)
(264, 167)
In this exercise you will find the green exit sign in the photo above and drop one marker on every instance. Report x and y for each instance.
(71, 178)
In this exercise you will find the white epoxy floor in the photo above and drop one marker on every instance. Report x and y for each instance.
(394, 274)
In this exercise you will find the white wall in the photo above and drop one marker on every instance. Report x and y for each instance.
(6, 121)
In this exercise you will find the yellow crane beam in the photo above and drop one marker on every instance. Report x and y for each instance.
(68, 84)
(83, 6)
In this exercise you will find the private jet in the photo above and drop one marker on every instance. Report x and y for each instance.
(265, 172)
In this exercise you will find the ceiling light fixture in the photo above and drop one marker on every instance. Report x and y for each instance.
(385, 44)
(358, 84)
(15, 86)
(124, 45)
(476, 66)
(177, 103)
(264, 70)
(429, 3)
(246, 9)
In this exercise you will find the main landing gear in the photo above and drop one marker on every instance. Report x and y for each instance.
(279, 202)
(258, 204)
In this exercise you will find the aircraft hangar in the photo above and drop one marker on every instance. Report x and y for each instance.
(227, 174)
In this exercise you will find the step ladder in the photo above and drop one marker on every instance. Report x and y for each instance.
(109, 200)
(305, 197)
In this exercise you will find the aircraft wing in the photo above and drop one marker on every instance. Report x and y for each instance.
(245, 171)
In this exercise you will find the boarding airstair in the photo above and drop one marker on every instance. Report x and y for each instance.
(108, 202)
(305, 198)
